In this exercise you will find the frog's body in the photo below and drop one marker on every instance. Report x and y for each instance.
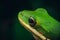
(45, 24)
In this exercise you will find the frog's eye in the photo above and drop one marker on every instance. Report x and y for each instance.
(32, 21)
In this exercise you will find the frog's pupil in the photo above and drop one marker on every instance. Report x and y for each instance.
(32, 21)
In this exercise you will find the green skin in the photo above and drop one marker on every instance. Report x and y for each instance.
(46, 24)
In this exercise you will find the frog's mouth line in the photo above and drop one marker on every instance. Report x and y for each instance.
(32, 30)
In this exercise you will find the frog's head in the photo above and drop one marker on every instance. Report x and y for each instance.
(31, 20)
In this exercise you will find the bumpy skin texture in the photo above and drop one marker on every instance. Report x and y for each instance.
(45, 24)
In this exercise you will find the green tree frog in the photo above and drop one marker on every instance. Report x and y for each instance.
(40, 24)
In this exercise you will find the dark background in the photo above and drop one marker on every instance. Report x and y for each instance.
(10, 28)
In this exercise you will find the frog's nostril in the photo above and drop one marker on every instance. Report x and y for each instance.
(21, 14)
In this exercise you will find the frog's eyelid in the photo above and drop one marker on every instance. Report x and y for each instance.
(31, 17)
